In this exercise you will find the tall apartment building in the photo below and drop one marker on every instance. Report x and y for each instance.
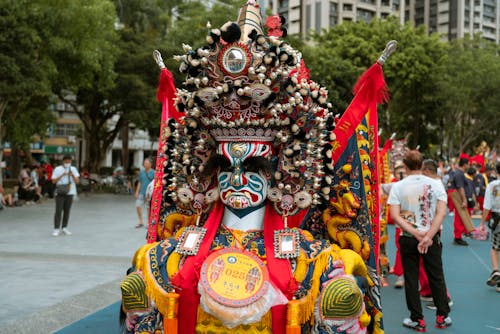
(305, 15)
(456, 18)
(450, 18)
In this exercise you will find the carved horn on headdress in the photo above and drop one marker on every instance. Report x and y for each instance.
(249, 19)
(390, 47)
(158, 59)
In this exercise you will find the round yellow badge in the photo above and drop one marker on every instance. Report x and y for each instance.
(234, 277)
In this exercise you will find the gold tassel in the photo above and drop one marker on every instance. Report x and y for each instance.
(139, 255)
(154, 291)
(292, 317)
(170, 321)
(306, 303)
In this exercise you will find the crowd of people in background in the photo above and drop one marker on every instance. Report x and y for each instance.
(34, 183)
(37, 182)
(472, 191)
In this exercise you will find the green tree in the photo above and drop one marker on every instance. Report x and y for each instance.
(467, 84)
(84, 51)
(338, 56)
(25, 70)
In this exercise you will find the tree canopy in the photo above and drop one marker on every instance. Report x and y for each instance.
(441, 93)
(96, 56)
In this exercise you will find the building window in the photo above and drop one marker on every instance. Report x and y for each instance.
(489, 30)
(347, 7)
(283, 4)
(489, 9)
(308, 17)
(333, 15)
(65, 130)
(318, 16)
(364, 15)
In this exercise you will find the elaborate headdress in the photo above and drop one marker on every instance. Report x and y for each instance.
(244, 86)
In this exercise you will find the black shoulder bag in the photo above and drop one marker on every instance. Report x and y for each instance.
(63, 189)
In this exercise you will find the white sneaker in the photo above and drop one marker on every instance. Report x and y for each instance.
(56, 232)
(400, 282)
(66, 231)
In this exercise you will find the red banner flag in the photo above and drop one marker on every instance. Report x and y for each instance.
(369, 90)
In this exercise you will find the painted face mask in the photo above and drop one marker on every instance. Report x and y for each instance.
(244, 184)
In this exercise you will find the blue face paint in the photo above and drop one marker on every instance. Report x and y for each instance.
(240, 190)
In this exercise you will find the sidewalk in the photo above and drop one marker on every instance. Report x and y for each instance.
(49, 282)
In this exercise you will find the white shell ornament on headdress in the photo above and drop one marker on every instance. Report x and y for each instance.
(247, 87)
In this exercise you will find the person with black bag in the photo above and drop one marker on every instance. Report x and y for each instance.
(65, 177)
(492, 204)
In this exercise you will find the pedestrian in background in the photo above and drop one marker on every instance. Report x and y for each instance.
(145, 177)
(397, 269)
(492, 204)
(429, 169)
(5, 199)
(458, 185)
(65, 177)
(480, 182)
(418, 206)
(47, 187)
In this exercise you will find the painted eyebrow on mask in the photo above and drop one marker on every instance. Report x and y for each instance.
(251, 164)
(215, 162)
(257, 164)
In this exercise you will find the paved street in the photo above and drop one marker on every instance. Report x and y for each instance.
(48, 282)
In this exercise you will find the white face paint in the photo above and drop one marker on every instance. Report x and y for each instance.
(243, 186)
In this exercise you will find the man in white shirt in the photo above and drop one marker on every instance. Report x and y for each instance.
(63, 176)
(492, 204)
(418, 206)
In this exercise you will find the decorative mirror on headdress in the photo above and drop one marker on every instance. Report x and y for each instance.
(234, 59)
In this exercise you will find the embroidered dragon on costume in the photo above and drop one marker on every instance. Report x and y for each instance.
(343, 208)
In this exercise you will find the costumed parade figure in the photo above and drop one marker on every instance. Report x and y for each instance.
(259, 220)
